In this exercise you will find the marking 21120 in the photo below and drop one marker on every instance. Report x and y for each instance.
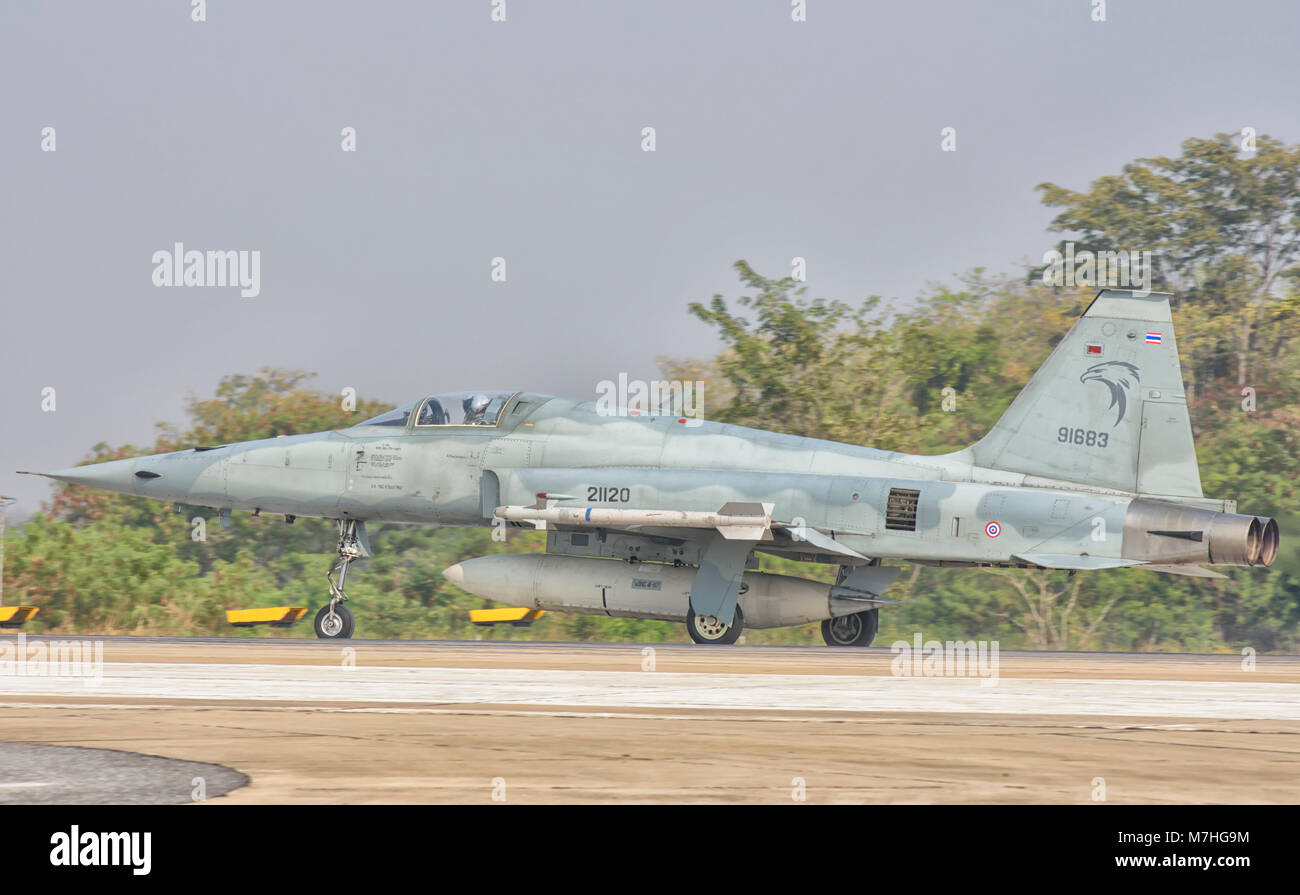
(603, 494)
(1088, 437)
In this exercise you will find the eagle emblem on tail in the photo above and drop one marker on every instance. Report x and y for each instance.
(1118, 376)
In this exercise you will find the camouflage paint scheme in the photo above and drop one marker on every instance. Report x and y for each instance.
(1092, 466)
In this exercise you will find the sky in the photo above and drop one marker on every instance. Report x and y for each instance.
(524, 140)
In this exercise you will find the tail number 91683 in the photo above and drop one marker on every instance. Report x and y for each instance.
(1066, 435)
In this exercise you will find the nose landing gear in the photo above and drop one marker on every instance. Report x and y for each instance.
(334, 621)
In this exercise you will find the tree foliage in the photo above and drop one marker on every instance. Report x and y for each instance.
(1224, 229)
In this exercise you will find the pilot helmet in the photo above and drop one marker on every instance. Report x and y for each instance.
(475, 405)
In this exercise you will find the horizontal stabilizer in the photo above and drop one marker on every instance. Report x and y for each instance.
(1067, 561)
(1189, 570)
(1072, 561)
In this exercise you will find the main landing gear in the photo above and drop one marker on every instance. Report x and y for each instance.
(858, 629)
(334, 621)
(709, 629)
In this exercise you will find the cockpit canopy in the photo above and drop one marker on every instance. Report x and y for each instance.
(473, 408)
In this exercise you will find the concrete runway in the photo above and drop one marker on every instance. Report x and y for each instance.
(374, 721)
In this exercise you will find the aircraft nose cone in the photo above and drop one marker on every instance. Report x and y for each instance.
(114, 475)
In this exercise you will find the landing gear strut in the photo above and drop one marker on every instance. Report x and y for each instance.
(335, 622)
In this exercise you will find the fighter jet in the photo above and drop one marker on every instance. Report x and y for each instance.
(660, 516)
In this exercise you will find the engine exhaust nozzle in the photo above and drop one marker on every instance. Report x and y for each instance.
(1269, 540)
(1234, 540)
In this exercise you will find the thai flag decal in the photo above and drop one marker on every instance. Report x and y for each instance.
(1153, 338)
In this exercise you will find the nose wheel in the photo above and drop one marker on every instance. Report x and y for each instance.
(334, 621)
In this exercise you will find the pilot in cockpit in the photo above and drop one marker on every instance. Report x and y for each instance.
(475, 409)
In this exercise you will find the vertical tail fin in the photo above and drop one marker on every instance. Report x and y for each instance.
(1107, 407)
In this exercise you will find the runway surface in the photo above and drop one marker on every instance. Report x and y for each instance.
(692, 690)
(63, 775)
(373, 721)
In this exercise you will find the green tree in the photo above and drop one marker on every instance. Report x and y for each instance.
(1224, 227)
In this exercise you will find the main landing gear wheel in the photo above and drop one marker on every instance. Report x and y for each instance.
(334, 622)
(708, 629)
(858, 629)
